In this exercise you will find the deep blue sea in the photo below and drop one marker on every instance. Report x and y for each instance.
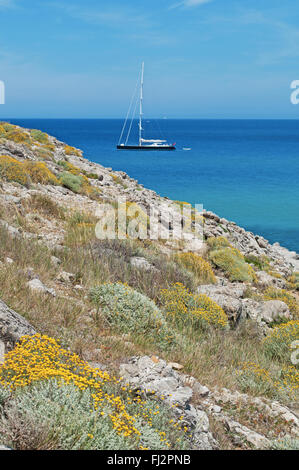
(244, 170)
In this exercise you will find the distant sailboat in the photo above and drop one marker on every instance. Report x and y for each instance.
(143, 144)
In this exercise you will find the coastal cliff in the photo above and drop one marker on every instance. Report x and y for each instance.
(186, 340)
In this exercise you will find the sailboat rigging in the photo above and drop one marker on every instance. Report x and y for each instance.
(143, 144)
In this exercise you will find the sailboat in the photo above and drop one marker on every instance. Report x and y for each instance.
(143, 144)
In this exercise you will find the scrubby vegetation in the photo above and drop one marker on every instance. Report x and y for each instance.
(66, 404)
(198, 266)
(24, 173)
(72, 151)
(271, 293)
(113, 307)
(282, 341)
(131, 312)
(184, 307)
(230, 260)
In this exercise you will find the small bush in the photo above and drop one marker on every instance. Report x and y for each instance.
(72, 151)
(278, 343)
(233, 263)
(69, 167)
(198, 266)
(129, 311)
(40, 173)
(261, 262)
(183, 308)
(44, 154)
(286, 443)
(13, 170)
(281, 384)
(218, 242)
(18, 136)
(39, 136)
(293, 281)
(72, 182)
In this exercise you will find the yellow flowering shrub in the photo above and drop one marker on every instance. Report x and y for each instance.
(40, 173)
(271, 293)
(18, 136)
(196, 264)
(38, 358)
(72, 151)
(285, 383)
(293, 281)
(281, 341)
(233, 263)
(183, 307)
(38, 365)
(12, 170)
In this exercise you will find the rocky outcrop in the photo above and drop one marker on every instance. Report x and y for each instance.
(156, 376)
(230, 296)
(196, 404)
(12, 327)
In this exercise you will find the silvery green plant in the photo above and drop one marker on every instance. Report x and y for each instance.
(130, 311)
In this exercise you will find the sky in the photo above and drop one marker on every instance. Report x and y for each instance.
(203, 58)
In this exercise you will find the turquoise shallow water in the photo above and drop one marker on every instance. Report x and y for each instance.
(244, 170)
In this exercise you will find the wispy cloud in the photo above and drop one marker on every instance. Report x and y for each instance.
(189, 3)
(109, 16)
(7, 3)
(129, 23)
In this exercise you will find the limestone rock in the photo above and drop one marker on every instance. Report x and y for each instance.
(37, 286)
(12, 327)
(142, 263)
(143, 373)
(56, 261)
(63, 276)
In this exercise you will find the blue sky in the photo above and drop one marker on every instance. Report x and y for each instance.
(203, 58)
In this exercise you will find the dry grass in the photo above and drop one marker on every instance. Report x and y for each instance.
(213, 357)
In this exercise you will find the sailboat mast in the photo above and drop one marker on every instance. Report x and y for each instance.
(141, 99)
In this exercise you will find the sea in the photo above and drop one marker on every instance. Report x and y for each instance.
(246, 171)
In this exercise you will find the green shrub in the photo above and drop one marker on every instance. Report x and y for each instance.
(72, 182)
(130, 312)
(218, 242)
(286, 443)
(44, 154)
(261, 262)
(233, 263)
(39, 136)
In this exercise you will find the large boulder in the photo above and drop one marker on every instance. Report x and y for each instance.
(12, 327)
(227, 296)
(267, 312)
